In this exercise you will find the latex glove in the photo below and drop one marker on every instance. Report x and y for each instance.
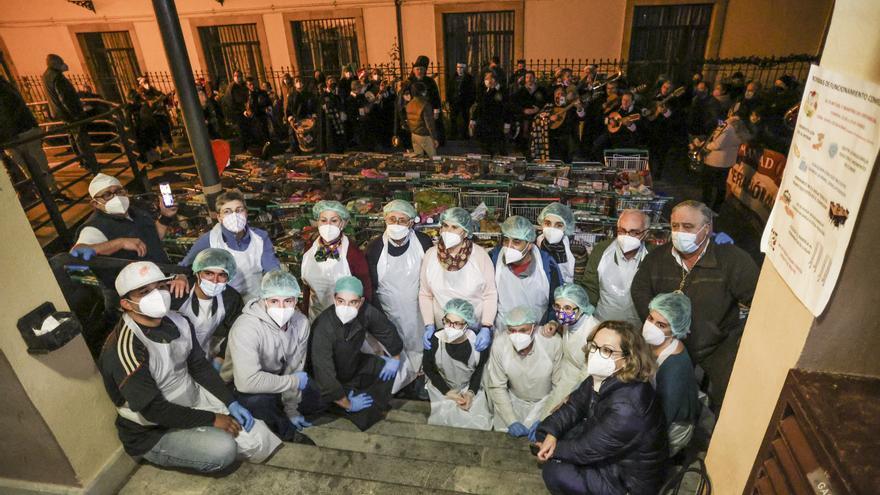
(533, 431)
(84, 252)
(359, 402)
(429, 331)
(389, 371)
(631, 127)
(303, 379)
(299, 423)
(217, 363)
(517, 429)
(242, 415)
(484, 338)
(722, 238)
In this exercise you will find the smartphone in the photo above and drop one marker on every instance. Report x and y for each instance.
(167, 197)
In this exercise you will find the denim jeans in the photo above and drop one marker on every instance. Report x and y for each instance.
(203, 449)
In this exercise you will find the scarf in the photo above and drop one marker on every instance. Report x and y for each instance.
(327, 251)
(454, 263)
(557, 251)
(539, 142)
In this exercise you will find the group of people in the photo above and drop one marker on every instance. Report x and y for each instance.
(600, 378)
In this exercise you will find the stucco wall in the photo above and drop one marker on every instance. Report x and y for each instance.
(774, 27)
(573, 28)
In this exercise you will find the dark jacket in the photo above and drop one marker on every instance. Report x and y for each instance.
(232, 305)
(299, 104)
(461, 92)
(489, 114)
(420, 117)
(15, 116)
(591, 273)
(551, 269)
(235, 99)
(64, 103)
(618, 434)
(433, 92)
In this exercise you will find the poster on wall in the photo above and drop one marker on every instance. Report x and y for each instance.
(831, 159)
(754, 178)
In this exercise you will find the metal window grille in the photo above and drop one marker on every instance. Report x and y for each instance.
(675, 33)
(475, 37)
(229, 48)
(112, 62)
(326, 45)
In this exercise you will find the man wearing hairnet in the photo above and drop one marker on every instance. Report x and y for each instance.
(523, 371)
(524, 275)
(557, 225)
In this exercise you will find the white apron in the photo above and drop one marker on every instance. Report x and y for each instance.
(205, 323)
(169, 369)
(574, 359)
(321, 277)
(615, 280)
(445, 412)
(466, 284)
(565, 269)
(248, 263)
(532, 291)
(529, 384)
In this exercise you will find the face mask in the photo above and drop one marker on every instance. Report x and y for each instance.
(567, 318)
(155, 304)
(749, 95)
(560, 101)
(346, 313)
(298, 86)
(553, 235)
(281, 315)
(512, 255)
(488, 84)
(453, 333)
(235, 222)
(600, 367)
(329, 232)
(652, 334)
(397, 232)
(212, 289)
(450, 239)
(520, 340)
(628, 243)
(685, 242)
(118, 205)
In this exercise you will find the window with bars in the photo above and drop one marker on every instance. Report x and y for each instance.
(111, 61)
(326, 45)
(475, 37)
(232, 47)
(672, 37)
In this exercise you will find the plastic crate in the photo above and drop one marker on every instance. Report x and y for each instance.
(529, 208)
(626, 159)
(651, 205)
(588, 240)
(496, 201)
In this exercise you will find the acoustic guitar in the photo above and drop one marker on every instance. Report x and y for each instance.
(653, 110)
(614, 121)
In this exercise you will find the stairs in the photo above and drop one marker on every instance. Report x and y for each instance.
(401, 455)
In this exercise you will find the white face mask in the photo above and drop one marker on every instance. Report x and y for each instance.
(329, 232)
(600, 367)
(513, 255)
(155, 304)
(118, 205)
(453, 334)
(235, 222)
(628, 243)
(560, 101)
(521, 340)
(686, 242)
(212, 289)
(553, 235)
(749, 95)
(346, 313)
(652, 334)
(397, 232)
(450, 239)
(281, 315)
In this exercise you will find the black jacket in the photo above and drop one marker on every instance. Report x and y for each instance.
(232, 305)
(489, 113)
(299, 104)
(64, 103)
(15, 116)
(433, 92)
(618, 433)
(461, 92)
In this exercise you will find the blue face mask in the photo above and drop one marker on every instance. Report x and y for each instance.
(567, 318)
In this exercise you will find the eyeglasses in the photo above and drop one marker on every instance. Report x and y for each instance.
(397, 221)
(604, 351)
(108, 195)
(633, 233)
(454, 324)
(566, 308)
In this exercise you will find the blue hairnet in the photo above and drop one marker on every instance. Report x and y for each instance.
(402, 206)
(576, 294)
(279, 283)
(517, 227)
(462, 309)
(458, 216)
(350, 284)
(520, 315)
(215, 259)
(562, 211)
(325, 205)
(676, 308)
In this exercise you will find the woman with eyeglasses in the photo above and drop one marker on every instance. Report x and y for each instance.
(455, 371)
(610, 436)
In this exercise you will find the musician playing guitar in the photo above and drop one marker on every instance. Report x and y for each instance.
(556, 128)
(527, 103)
(622, 127)
(663, 120)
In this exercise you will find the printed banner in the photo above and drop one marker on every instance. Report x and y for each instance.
(754, 179)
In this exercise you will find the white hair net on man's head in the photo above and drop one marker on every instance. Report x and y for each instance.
(462, 309)
(520, 315)
(520, 228)
(215, 258)
(576, 294)
(279, 283)
(562, 211)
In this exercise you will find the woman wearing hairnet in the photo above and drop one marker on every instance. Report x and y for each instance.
(455, 369)
(524, 275)
(557, 224)
(457, 268)
(331, 257)
(669, 321)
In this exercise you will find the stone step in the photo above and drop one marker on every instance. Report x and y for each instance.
(402, 416)
(419, 406)
(424, 474)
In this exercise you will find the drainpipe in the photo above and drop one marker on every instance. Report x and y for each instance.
(402, 59)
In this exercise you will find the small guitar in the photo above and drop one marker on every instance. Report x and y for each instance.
(561, 112)
(613, 102)
(614, 121)
(655, 108)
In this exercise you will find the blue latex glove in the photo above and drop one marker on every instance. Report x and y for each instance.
(389, 371)
(217, 364)
(84, 252)
(429, 331)
(242, 415)
(299, 423)
(723, 238)
(484, 338)
(533, 431)
(303, 378)
(359, 402)
(517, 429)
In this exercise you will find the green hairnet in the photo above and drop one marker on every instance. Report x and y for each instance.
(215, 259)
(350, 284)
(562, 211)
(325, 205)
(576, 294)
(520, 315)
(517, 227)
(279, 283)
(402, 206)
(676, 308)
(458, 216)
(462, 309)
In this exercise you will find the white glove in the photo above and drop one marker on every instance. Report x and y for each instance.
(342, 116)
(506, 128)
(436, 113)
(631, 127)
(667, 113)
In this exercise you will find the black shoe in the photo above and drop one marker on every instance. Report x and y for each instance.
(300, 438)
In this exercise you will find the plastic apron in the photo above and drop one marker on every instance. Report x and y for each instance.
(574, 360)
(466, 283)
(321, 277)
(565, 269)
(529, 383)
(445, 412)
(615, 280)
(248, 263)
(204, 325)
(532, 291)
(168, 367)
(398, 292)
